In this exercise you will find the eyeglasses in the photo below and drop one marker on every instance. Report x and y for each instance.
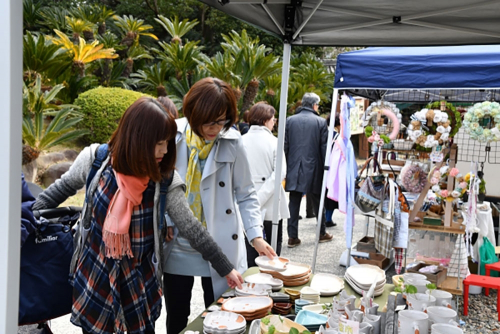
(218, 123)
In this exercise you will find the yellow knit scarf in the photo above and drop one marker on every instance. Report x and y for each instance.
(199, 151)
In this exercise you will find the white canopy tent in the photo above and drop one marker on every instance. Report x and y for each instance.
(361, 23)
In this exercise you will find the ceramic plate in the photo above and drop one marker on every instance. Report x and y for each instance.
(366, 286)
(277, 264)
(254, 289)
(356, 288)
(247, 304)
(309, 318)
(226, 321)
(327, 284)
(282, 325)
(307, 290)
(316, 308)
(261, 278)
(365, 274)
(293, 270)
(254, 327)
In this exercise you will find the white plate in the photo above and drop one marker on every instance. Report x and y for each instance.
(295, 270)
(224, 321)
(262, 278)
(366, 286)
(254, 289)
(356, 288)
(316, 308)
(308, 291)
(327, 284)
(277, 264)
(365, 274)
(247, 304)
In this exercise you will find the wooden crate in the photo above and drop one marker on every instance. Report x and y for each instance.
(366, 244)
(436, 278)
(375, 259)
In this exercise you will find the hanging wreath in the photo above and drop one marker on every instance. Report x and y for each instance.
(413, 178)
(482, 122)
(438, 178)
(375, 128)
(432, 127)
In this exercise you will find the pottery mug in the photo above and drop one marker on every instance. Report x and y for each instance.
(443, 298)
(442, 315)
(413, 322)
(373, 320)
(445, 329)
(354, 315)
(371, 309)
(420, 284)
(420, 301)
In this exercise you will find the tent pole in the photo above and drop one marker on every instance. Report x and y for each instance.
(11, 13)
(287, 48)
(325, 173)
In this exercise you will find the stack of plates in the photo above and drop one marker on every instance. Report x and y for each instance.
(260, 278)
(361, 277)
(294, 294)
(295, 274)
(327, 284)
(282, 308)
(300, 303)
(277, 264)
(311, 320)
(253, 289)
(221, 322)
(250, 307)
(310, 294)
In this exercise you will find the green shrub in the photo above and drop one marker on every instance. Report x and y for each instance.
(102, 108)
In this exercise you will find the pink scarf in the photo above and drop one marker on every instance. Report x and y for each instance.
(117, 223)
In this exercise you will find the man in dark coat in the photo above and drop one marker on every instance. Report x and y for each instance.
(306, 137)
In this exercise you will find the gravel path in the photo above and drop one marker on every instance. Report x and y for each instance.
(482, 310)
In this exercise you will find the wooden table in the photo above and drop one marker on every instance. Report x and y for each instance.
(197, 324)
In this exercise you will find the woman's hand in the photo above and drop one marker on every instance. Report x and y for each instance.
(263, 248)
(170, 234)
(234, 279)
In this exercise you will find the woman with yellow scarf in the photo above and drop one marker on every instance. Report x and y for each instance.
(211, 159)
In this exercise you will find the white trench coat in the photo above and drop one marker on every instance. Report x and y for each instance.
(228, 196)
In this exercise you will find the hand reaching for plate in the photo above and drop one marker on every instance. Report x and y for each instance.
(234, 279)
(263, 248)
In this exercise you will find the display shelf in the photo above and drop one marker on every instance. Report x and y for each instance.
(450, 285)
(442, 229)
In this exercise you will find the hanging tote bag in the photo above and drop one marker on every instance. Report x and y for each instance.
(371, 191)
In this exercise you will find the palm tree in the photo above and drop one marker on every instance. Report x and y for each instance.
(176, 29)
(109, 41)
(132, 29)
(36, 106)
(80, 27)
(179, 88)
(83, 53)
(54, 18)
(222, 66)
(31, 15)
(136, 52)
(41, 56)
(153, 78)
(97, 14)
(182, 58)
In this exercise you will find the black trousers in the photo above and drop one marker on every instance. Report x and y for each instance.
(268, 228)
(294, 207)
(177, 290)
(147, 332)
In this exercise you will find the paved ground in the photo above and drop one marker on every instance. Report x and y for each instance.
(327, 262)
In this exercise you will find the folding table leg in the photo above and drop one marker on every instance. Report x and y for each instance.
(487, 290)
(498, 303)
(466, 298)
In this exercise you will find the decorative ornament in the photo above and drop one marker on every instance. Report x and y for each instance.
(438, 177)
(413, 178)
(374, 123)
(482, 122)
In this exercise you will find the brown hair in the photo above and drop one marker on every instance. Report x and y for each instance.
(206, 101)
(260, 113)
(133, 143)
(169, 106)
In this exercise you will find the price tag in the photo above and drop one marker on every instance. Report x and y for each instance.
(348, 326)
(437, 154)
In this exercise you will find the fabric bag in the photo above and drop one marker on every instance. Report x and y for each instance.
(371, 191)
(45, 292)
(487, 256)
(383, 238)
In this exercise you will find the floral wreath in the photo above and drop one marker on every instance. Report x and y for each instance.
(482, 122)
(413, 178)
(438, 176)
(379, 134)
(431, 127)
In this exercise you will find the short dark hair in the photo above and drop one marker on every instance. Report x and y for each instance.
(206, 101)
(260, 113)
(169, 105)
(132, 145)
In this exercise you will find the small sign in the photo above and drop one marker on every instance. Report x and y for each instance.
(348, 326)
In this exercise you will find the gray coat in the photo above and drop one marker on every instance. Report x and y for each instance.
(306, 136)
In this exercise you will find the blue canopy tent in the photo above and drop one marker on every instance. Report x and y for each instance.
(452, 73)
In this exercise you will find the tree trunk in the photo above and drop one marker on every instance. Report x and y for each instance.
(106, 72)
(250, 94)
(88, 35)
(129, 67)
(29, 154)
(161, 91)
(101, 30)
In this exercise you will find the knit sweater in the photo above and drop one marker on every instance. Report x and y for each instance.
(176, 207)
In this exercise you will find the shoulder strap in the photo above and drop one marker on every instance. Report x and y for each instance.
(164, 184)
(100, 156)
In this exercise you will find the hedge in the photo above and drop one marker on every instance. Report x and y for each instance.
(102, 108)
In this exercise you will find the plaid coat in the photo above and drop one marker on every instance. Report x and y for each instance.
(115, 296)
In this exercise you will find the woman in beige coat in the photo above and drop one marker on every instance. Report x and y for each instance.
(261, 148)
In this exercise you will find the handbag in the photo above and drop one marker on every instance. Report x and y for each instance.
(45, 292)
(371, 191)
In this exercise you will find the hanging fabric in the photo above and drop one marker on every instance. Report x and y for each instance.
(343, 169)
